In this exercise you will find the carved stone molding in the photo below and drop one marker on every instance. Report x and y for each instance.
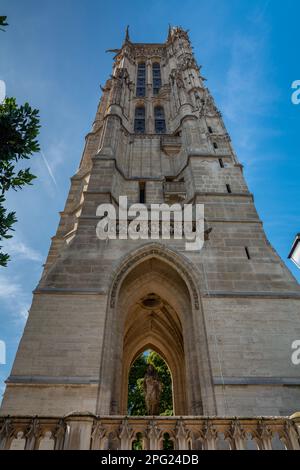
(160, 252)
(113, 431)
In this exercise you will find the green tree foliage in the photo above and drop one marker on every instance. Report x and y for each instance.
(3, 23)
(136, 399)
(19, 128)
(6, 223)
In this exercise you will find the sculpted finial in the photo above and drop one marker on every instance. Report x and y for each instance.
(127, 38)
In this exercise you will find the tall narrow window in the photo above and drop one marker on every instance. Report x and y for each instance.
(159, 117)
(139, 120)
(221, 163)
(228, 188)
(247, 252)
(215, 145)
(141, 80)
(142, 192)
(210, 130)
(156, 78)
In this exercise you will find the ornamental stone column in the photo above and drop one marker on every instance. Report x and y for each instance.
(59, 435)
(292, 432)
(209, 436)
(263, 436)
(79, 431)
(33, 434)
(6, 433)
(153, 433)
(237, 435)
(296, 421)
(99, 438)
(126, 434)
(148, 77)
(181, 435)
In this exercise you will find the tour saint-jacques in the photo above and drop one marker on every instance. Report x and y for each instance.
(222, 318)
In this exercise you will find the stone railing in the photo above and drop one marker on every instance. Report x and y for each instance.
(170, 140)
(87, 431)
(174, 187)
(170, 144)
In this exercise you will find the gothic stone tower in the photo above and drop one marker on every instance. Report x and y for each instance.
(223, 318)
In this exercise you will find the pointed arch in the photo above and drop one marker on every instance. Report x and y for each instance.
(182, 265)
(176, 329)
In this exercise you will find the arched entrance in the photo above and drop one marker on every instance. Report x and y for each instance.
(152, 323)
(154, 304)
(137, 403)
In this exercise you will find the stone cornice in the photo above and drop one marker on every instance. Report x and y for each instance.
(223, 195)
(212, 294)
(252, 294)
(37, 380)
(280, 381)
(92, 380)
(48, 380)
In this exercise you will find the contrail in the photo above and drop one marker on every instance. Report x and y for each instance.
(48, 168)
(263, 10)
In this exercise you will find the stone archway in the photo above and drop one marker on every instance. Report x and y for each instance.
(174, 328)
(152, 323)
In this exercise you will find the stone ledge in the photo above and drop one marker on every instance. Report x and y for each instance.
(212, 294)
(55, 290)
(48, 380)
(263, 295)
(281, 381)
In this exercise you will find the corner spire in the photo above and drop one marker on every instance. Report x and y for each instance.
(127, 38)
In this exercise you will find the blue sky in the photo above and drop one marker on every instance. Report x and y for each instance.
(53, 55)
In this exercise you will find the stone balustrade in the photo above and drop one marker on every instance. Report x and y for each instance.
(174, 187)
(87, 431)
(170, 140)
(170, 144)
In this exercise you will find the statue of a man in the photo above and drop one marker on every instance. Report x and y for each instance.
(152, 390)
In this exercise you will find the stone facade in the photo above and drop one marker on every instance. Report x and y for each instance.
(225, 317)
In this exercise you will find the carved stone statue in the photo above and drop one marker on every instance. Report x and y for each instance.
(118, 80)
(152, 390)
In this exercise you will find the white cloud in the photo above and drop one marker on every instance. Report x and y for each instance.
(23, 311)
(16, 247)
(9, 290)
(3, 377)
(14, 297)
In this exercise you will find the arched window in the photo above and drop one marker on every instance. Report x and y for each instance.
(156, 78)
(159, 117)
(139, 120)
(141, 80)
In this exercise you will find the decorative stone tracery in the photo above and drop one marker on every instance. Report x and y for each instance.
(160, 251)
(113, 433)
